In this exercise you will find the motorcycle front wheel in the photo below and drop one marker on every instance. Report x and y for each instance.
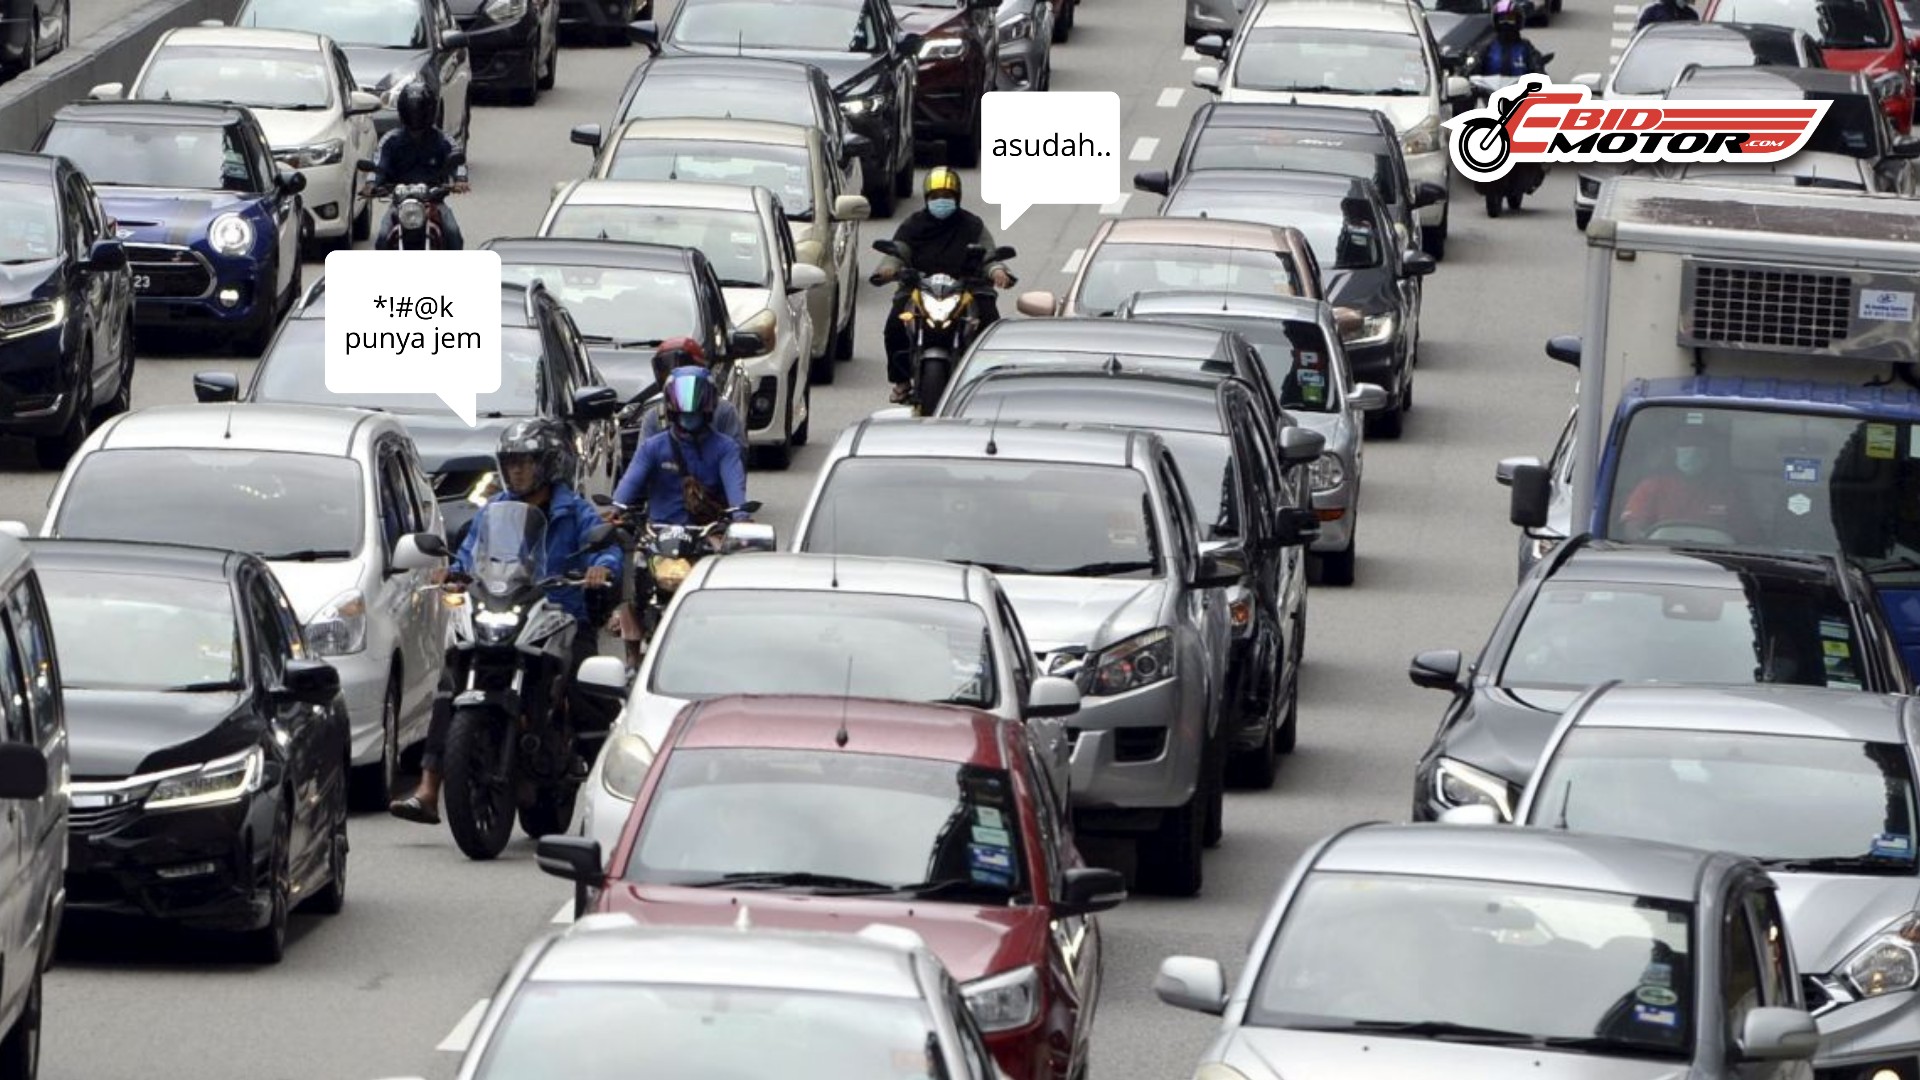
(931, 384)
(479, 783)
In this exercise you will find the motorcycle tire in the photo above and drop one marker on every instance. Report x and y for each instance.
(479, 783)
(1514, 198)
(1493, 203)
(931, 385)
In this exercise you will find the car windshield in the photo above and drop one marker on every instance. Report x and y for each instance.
(1293, 352)
(1296, 151)
(1578, 633)
(879, 822)
(1774, 797)
(896, 648)
(257, 78)
(1327, 61)
(1835, 24)
(293, 373)
(702, 96)
(122, 631)
(614, 305)
(1014, 517)
(598, 1030)
(1851, 127)
(1654, 60)
(730, 239)
(273, 503)
(1380, 952)
(1339, 241)
(1206, 468)
(787, 171)
(1117, 271)
(798, 25)
(199, 157)
(29, 223)
(386, 24)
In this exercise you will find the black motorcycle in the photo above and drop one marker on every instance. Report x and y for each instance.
(941, 314)
(663, 556)
(416, 225)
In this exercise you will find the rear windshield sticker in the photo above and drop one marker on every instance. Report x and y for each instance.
(1881, 441)
(986, 790)
(1836, 649)
(982, 859)
(1892, 844)
(1658, 996)
(1657, 975)
(1837, 668)
(1647, 1014)
(989, 817)
(997, 838)
(1803, 470)
(1799, 505)
(1834, 628)
(1885, 306)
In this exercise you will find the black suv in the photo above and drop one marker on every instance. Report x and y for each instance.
(514, 45)
(1597, 610)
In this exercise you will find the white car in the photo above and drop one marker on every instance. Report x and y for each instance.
(1364, 54)
(893, 629)
(743, 232)
(327, 497)
(301, 89)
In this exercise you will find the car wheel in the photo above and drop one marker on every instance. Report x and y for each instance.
(963, 151)
(552, 75)
(903, 180)
(806, 426)
(821, 369)
(1493, 202)
(123, 392)
(268, 945)
(1255, 768)
(295, 286)
(373, 784)
(1216, 804)
(1063, 26)
(1433, 240)
(1170, 857)
(20, 1051)
(781, 456)
(1336, 567)
(882, 200)
(54, 451)
(265, 321)
(1287, 734)
(529, 92)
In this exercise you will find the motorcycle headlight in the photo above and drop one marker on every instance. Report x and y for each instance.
(1374, 330)
(668, 572)
(33, 316)
(1424, 138)
(940, 309)
(1459, 784)
(412, 215)
(483, 489)
(1327, 473)
(1887, 962)
(1004, 1002)
(628, 757)
(340, 628)
(1018, 28)
(1141, 660)
(942, 49)
(309, 157)
(861, 104)
(231, 234)
(505, 11)
(496, 627)
(226, 780)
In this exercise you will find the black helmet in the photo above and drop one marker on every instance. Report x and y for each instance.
(546, 441)
(418, 106)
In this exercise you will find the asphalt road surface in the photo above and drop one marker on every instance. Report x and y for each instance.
(391, 987)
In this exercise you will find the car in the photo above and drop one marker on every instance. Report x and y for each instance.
(67, 305)
(1804, 780)
(545, 371)
(1595, 956)
(1096, 542)
(871, 60)
(389, 44)
(1357, 53)
(514, 45)
(37, 31)
(1300, 350)
(1462, 28)
(1241, 471)
(743, 233)
(1853, 35)
(328, 497)
(873, 1000)
(794, 162)
(608, 21)
(1027, 30)
(821, 793)
(300, 88)
(210, 222)
(208, 744)
(814, 624)
(1130, 255)
(959, 63)
(1596, 610)
(1659, 54)
(1364, 269)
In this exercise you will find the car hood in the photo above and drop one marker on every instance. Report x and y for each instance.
(441, 437)
(1830, 915)
(1454, 32)
(1322, 1055)
(1092, 613)
(147, 215)
(1370, 290)
(1405, 112)
(312, 585)
(286, 128)
(22, 281)
(742, 304)
(1506, 729)
(375, 69)
(841, 68)
(927, 21)
(971, 941)
(118, 733)
(1326, 425)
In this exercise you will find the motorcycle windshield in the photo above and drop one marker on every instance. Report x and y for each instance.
(509, 545)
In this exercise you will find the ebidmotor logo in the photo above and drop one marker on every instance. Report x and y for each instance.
(1533, 120)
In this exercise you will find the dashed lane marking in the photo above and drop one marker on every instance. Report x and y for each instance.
(1117, 206)
(564, 915)
(1191, 55)
(1073, 261)
(461, 1036)
(1170, 97)
(1143, 148)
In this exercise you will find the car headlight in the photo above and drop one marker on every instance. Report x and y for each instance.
(942, 49)
(340, 628)
(1327, 473)
(940, 309)
(33, 316)
(627, 757)
(1459, 784)
(1892, 84)
(390, 97)
(1424, 138)
(231, 234)
(226, 780)
(311, 157)
(1018, 28)
(1004, 1002)
(484, 488)
(1141, 660)
(862, 104)
(1887, 962)
(1374, 330)
(505, 11)
(1589, 187)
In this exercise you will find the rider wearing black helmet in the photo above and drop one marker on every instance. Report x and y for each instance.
(417, 152)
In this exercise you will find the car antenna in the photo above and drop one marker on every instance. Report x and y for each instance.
(1226, 286)
(834, 523)
(993, 429)
(739, 43)
(228, 433)
(840, 737)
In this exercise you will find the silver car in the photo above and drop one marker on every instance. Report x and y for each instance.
(1026, 29)
(892, 629)
(1817, 784)
(1437, 952)
(1095, 539)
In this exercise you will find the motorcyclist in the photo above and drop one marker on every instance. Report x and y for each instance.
(1509, 54)
(536, 463)
(1666, 11)
(416, 152)
(690, 449)
(937, 238)
(686, 352)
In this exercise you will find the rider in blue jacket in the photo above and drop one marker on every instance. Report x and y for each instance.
(689, 445)
(1509, 54)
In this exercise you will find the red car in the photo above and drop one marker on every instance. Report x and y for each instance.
(1854, 35)
(836, 814)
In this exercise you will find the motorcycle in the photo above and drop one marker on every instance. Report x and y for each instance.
(1525, 177)
(664, 554)
(941, 314)
(416, 225)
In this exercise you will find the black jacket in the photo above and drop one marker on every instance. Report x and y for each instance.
(940, 247)
(405, 159)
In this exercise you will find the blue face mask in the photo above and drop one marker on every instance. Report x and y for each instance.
(942, 208)
(690, 422)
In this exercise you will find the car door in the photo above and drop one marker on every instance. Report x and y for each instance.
(1047, 732)
(1756, 971)
(296, 726)
(41, 821)
(424, 631)
(288, 215)
(456, 70)
(1073, 940)
(17, 855)
(797, 304)
(396, 599)
(599, 442)
(362, 136)
(78, 233)
(1202, 611)
(843, 236)
(114, 320)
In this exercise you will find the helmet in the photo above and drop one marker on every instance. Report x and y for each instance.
(1508, 15)
(674, 353)
(418, 106)
(942, 180)
(690, 398)
(550, 445)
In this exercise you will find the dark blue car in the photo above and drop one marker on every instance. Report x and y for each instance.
(211, 223)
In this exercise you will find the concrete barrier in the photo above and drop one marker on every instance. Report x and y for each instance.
(115, 53)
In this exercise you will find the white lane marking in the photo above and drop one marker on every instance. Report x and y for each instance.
(1170, 97)
(1191, 55)
(1617, 44)
(564, 915)
(1626, 9)
(1073, 261)
(1117, 206)
(461, 1036)
(1143, 148)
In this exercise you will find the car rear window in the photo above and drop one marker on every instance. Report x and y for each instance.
(1835, 24)
(1296, 151)
(1655, 60)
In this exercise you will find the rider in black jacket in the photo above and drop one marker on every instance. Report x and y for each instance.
(417, 152)
(937, 238)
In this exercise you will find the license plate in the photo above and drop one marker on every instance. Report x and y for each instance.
(142, 283)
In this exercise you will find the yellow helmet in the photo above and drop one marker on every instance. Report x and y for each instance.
(942, 180)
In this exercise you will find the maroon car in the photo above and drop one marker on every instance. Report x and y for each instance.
(836, 814)
(959, 62)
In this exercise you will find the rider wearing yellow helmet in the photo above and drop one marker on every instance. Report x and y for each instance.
(937, 238)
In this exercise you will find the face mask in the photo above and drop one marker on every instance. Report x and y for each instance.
(690, 422)
(942, 208)
(1690, 460)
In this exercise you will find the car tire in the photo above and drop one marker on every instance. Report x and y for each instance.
(780, 457)
(822, 369)
(1255, 769)
(1387, 424)
(903, 180)
(373, 784)
(20, 1050)
(54, 451)
(552, 75)
(963, 151)
(1433, 240)
(882, 199)
(268, 944)
(254, 341)
(1337, 567)
(1063, 26)
(1170, 857)
(1581, 219)
(1287, 734)
(801, 433)
(1215, 766)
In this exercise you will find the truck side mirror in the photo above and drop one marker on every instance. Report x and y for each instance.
(1532, 491)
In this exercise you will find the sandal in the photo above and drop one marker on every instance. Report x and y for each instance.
(412, 809)
(902, 393)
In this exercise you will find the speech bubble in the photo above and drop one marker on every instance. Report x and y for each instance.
(415, 322)
(1060, 148)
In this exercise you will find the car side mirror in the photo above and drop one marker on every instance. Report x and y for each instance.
(1221, 568)
(1086, 890)
(1192, 982)
(596, 402)
(1037, 304)
(1156, 181)
(1436, 669)
(16, 529)
(108, 91)
(1471, 814)
(293, 183)
(1207, 78)
(1590, 80)
(1427, 193)
(107, 256)
(1778, 1034)
(1532, 494)
(1458, 88)
(603, 673)
(418, 551)
(1904, 148)
(910, 42)
(314, 682)
(1418, 263)
(211, 387)
(1368, 397)
(572, 858)
(1296, 526)
(805, 276)
(23, 772)
(745, 343)
(1564, 348)
(1212, 46)
(453, 40)
(749, 536)
(361, 103)
(1051, 696)
(1301, 446)
(587, 135)
(645, 33)
(1503, 472)
(852, 208)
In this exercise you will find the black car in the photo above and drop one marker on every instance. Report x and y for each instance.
(209, 749)
(34, 32)
(544, 371)
(514, 45)
(1227, 451)
(1461, 28)
(1595, 611)
(388, 44)
(66, 307)
(859, 44)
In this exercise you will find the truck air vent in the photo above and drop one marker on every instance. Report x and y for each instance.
(1767, 308)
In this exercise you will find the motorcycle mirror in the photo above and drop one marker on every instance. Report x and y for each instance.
(1001, 254)
(456, 159)
(751, 506)
(602, 500)
(888, 247)
(364, 165)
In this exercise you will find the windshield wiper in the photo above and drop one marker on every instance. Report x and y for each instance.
(1398, 91)
(308, 555)
(798, 878)
(1597, 1044)
(1440, 1030)
(927, 890)
(991, 567)
(736, 283)
(202, 687)
(1843, 864)
(618, 343)
(1096, 569)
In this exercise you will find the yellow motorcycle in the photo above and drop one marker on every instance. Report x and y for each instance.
(942, 316)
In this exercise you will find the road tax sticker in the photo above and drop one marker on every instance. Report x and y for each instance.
(1657, 996)
(1803, 470)
(1836, 649)
(1834, 628)
(991, 837)
(1892, 844)
(982, 859)
(1648, 1014)
(1886, 306)
(1881, 441)
(1313, 387)
(988, 817)
(1657, 975)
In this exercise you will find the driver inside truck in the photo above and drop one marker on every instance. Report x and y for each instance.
(1696, 487)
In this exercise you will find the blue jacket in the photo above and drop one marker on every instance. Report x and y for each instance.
(726, 421)
(569, 519)
(1520, 58)
(655, 473)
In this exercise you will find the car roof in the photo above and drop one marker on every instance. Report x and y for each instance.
(1702, 31)
(251, 37)
(135, 558)
(1774, 79)
(1771, 709)
(571, 251)
(599, 949)
(1373, 15)
(1213, 303)
(1265, 114)
(802, 572)
(23, 167)
(1707, 567)
(303, 429)
(1278, 181)
(1194, 232)
(716, 129)
(173, 113)
(842, 724)
(1067, 444)
(753, 67)
(669, 193)
(1089, 334)
(1178, 401)
(1551, 857)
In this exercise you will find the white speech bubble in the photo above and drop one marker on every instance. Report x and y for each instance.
(1060, 148)
(415, 322)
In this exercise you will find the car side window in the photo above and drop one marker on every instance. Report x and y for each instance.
(783, 237)
(395, 496)
(28, 614)
(72, 230)
(421, 486)
(16, 724)
(263, 629)
(1024, 671)
(344, 71)
(1741, 970)
(80, 198)
(289, 637)
(1777, 983)
(261, 155)
(1046, 809)
(1179, 518)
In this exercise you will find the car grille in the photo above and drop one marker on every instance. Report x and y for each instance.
(164, 270)
(91, 815)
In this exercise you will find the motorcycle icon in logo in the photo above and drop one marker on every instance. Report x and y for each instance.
(1484, 143)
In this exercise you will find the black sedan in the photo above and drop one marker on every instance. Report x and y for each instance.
(209, 750)
(1461, 28)
(1596, 611)
(34, 32)
(66, 307)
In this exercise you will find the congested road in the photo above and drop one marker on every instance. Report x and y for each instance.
(383, 990)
